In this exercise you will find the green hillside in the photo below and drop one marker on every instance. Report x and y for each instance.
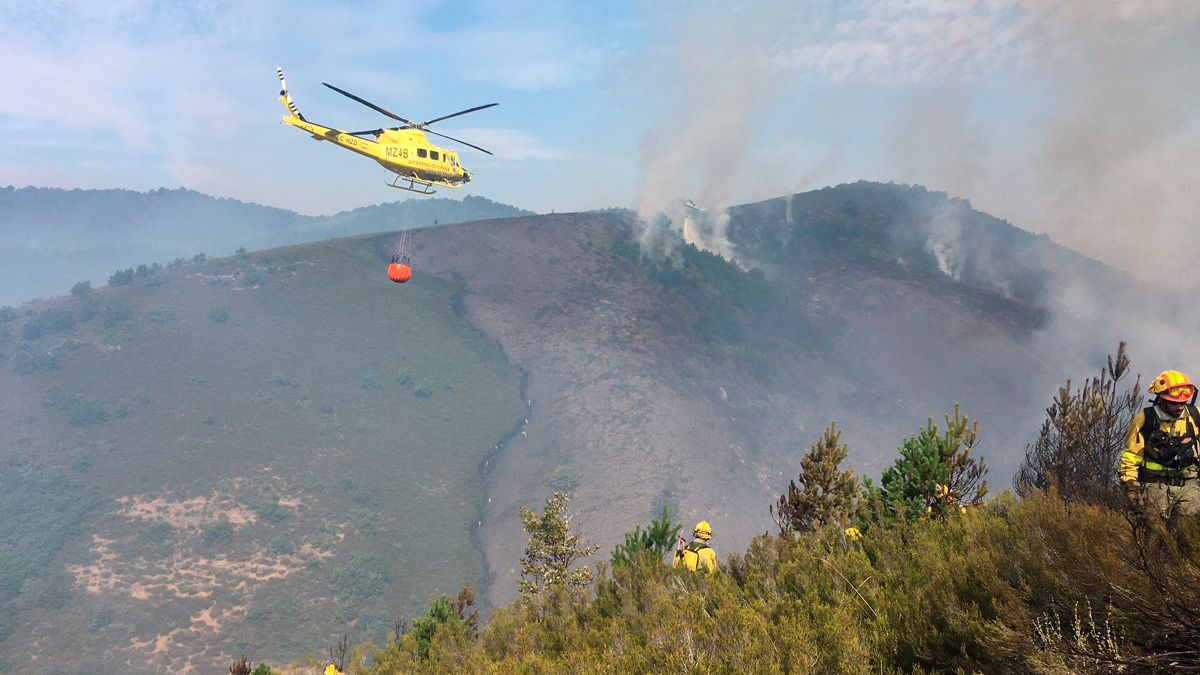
(256, 449)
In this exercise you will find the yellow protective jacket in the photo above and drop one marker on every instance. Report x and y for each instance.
(695, 555)
(1138, 462)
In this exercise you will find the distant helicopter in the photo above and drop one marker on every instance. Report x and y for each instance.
(692, 205)
(403, 150)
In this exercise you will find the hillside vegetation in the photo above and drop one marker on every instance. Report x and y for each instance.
(255, 453)
(863, 583)
(284, 442)
(919, 574)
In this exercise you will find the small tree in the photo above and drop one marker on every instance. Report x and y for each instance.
(450, 615)
(240, 667)
(1081, 440)
(826, 494)
(552, 549)
(935, 473)
(81, 289)
(121, 277)
(657, 539)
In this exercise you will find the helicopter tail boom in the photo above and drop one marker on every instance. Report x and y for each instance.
(320, 132)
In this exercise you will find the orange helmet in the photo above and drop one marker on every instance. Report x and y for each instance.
(1174, 386)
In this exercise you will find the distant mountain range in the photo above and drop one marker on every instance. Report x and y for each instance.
(52, 238)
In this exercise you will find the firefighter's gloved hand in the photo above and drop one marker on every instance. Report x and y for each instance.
(1133, 493)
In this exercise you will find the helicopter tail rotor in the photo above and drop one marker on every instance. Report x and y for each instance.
(286, 97)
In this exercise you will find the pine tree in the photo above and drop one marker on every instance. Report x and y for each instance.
(658, 539)
(552, 549)
(934, 475)
(826, 494)
(1081, 440)
(447, 614)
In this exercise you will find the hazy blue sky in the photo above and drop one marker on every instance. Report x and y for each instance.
(1073, 117)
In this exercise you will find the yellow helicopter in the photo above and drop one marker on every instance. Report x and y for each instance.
(404, 150)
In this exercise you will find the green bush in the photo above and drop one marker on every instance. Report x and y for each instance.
(49, 321)
(111, 316)
(160, 315)
(83, 411)
(564, 478)
(219, 532)
(254, 279)
(99, 619)
(26, 359)
(361, 577)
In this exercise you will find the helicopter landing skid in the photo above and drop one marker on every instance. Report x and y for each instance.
(426, 188)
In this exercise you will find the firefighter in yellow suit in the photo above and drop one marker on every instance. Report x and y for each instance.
(1158, 468)
(698, 554)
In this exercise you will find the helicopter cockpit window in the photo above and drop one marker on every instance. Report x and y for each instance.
(421, 152)
(433, 154)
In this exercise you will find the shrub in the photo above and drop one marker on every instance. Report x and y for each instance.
(111, 316)
(253, 279)
(28, 359)
(219, 532)
(363, 576)
(564, 478)
(81, 411)
(159, 315)
(99, 619)
(49, 321)
(219, 315)
(447, 616)
(81, 289)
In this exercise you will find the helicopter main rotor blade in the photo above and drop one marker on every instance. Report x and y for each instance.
(461, 112)
(369, 132)
(367, 103)
(456, 140)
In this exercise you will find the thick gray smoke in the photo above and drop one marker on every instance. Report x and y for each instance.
(1073, 118)
(704, 86)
